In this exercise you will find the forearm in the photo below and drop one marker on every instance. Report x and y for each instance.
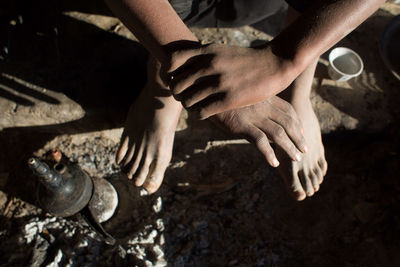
(153, 22)
(320, 28)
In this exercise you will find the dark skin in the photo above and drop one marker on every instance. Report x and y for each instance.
(146, 143)
(214, 78)
(206, 80)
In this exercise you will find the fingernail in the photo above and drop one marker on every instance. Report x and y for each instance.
(275, 162)
(302, 131)
(298, 157)
(305, 148)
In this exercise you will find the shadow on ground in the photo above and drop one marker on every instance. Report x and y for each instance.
(223, 204)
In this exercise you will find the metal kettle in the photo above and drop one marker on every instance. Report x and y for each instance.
(65, 190)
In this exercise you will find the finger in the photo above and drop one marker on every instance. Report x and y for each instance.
(191, 72)
(291, 127)
(198, 91)
(211, 105)
(155, 176)
(277, 134)
(182, 57)
(257, 137)
(123, 147)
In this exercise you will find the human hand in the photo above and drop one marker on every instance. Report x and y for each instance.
(271, 120)
(213, 78)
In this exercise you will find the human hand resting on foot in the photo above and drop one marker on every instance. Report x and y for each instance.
(271, 120)
(213, 78)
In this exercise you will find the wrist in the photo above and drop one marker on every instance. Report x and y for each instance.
(175, 46)
(284, 71)
(292, 55)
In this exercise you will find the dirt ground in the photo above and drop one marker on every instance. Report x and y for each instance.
(68, 73)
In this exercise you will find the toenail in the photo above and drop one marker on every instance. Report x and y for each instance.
(300, 195)
(150, 186)
(275, 162)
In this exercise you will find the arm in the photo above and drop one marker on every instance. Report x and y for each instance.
(154, 23)
(222, 78)
(157, 26)
(318, 29)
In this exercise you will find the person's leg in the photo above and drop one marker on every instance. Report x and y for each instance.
(147, 140)
(146, 144)
(304, 177)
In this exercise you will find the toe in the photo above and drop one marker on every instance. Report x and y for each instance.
(294, 186)
(314, 180)
(323, 165)
(142, 172)
(128, 156)
(318, 173)
(135, 162)
(123, 147)
(155, 176)
(306, 183)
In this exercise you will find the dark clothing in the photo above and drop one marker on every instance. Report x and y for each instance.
(300, 5)
(231, 13)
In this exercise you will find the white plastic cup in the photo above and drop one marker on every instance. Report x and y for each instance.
(344, 64)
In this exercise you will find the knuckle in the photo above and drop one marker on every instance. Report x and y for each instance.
(214, 62)
(260, 138)
(278, 132)
(262, 143)
(289, 110)
(223, 81)
(292, 150)
(288, 122)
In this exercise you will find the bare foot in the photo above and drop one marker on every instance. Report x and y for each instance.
(271, 120)
(147, 140)
(304, 177)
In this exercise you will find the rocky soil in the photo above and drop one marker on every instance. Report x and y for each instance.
(68, 73)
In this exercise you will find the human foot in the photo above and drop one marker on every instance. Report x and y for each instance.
(271, 120)
(147, 140)
(304, 177)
